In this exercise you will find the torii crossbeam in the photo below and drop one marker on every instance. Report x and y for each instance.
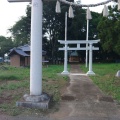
(78, 43)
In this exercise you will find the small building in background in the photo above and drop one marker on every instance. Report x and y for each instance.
(20, 56)
(74, 57)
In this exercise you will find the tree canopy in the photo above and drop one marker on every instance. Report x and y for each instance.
(5, 45)
(106, 29)
(109, 31)
(21, 29)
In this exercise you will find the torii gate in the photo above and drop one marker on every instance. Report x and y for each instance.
(36, 52)
(36, 98)
(78, 43)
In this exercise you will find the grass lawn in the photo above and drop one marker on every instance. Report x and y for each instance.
(105, 78)
(14, 83)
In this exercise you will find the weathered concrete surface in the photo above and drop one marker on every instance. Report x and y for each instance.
(84, 106)
(33, 101)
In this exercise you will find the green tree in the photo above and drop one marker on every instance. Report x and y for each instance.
(54, 27)
(5, 45)
(21, 29)
(109, 31)
(54, 24)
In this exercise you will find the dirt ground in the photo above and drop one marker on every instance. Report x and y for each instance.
(81, 100)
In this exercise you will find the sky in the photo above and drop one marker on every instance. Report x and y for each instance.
(10, 13)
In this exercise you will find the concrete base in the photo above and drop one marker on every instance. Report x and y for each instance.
(32, 101)
(65, 73)
(90, 73)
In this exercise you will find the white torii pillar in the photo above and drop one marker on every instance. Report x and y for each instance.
(88, 17)
(87, 34)
(36, 99)
(36, 46)
(90, 72)
(65, 71)
(78, 42)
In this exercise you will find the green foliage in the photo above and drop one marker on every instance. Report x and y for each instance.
(53, 25)
(54, 28)
(9, 77)
(21, 29)
(12, 73)
(53, 81)
(109, 31)
(15, 84)
(50, 72)
(5, 45)
(105, 78)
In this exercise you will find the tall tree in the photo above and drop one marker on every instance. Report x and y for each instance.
(53, 27)
(21, 29)
(109, 31)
